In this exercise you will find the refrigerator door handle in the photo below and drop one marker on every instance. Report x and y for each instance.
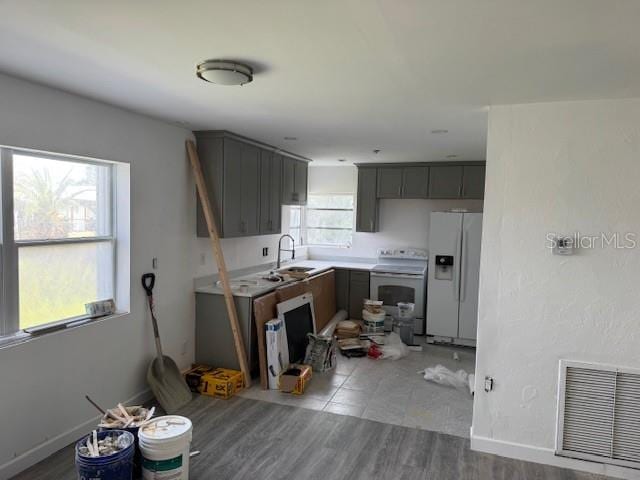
(463, 267)
(456, 270)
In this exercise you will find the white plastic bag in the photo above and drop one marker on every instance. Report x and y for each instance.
(444, 376)
(393, 347)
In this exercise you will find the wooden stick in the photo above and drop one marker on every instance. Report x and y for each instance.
(217, 253)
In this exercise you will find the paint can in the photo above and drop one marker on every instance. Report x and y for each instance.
(117, 466)
(165, 444)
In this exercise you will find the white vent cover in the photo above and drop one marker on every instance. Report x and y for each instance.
(599, 413)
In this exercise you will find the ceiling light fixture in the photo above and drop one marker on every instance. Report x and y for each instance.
(376, 151)
(291, 139)
(452, 156)
(439, 130)
(342, 159)
(224, 72)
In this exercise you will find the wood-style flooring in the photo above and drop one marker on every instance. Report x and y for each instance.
(248, 439)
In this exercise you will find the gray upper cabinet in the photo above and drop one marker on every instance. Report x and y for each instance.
(294, 181)
(245, 181)
(240, 210)
(415, 182)
(445, 181)
(473, 181)
(367, 203)
(270, 188)
(301, 179)
(389, 184)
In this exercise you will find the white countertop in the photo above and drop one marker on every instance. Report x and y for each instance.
(264, 286)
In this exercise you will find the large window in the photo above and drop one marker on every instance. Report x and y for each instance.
(58, 239)
(326, 220)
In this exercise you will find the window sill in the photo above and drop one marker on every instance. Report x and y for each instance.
(21, 337)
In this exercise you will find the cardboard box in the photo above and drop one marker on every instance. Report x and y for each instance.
(194, 376)
(294, 379)
(221, 383)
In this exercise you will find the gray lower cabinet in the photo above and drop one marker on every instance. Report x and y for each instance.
(445, 181)
(389, 183)
(270, 189)
(473, 181)
(358, 292)
(342, 289)
(415, 182)
(294, 181)
(367, 200)
(214, 340)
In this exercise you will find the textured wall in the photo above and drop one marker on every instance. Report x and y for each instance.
(557, 167)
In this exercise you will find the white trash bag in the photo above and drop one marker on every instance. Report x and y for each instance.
(393, 347)
(443, 376)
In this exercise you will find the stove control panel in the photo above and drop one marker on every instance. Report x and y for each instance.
(410, 253)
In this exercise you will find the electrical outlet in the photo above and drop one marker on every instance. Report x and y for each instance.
(154, 263)
(185, 346)
(265, 251)
(203, 259)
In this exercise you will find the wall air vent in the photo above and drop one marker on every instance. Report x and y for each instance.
(599, 413)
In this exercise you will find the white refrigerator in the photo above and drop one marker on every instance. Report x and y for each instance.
(454, 271)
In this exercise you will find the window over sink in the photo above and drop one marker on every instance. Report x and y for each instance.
(326, 220)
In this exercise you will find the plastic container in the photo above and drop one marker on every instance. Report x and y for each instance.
(373, 322)
(165, 444)
(118, 466)
(404, 322)
(137, 457)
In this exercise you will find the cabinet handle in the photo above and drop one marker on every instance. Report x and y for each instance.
(400, 191)
(371, 225)
(243, 227)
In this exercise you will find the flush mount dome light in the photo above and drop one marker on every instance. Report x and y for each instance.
(224, 72)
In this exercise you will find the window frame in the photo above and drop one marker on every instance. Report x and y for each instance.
(304, 227)
(10, 247)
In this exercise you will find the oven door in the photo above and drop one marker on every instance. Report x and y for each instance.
(392, 288)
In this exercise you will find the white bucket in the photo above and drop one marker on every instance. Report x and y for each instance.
(165, 444)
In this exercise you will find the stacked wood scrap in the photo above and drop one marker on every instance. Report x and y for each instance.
(348, 329)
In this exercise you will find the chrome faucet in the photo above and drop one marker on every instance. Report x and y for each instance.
(280, 249)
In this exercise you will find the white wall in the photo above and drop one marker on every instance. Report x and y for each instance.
(403, 223)
(557, 167)
(43, 382)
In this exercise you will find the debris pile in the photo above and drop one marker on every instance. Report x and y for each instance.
(108, 445)
(126, 417)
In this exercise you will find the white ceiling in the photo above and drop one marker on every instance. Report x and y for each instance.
(344, 76)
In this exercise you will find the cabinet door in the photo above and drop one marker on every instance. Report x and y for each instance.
(270, 186)
(367, 206)
(275, 192)
(389, 183)
(473, 182)
(358, 291)
(445, 182)
(288, 180)
(415, 182)
(250, 190)
(266, 180)
(301, 172)
(232, 186)
(342, 289)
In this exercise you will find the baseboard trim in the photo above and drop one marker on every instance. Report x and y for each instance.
(45, 449)
(547, 456)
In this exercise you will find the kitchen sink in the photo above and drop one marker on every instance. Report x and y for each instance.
(296, 269)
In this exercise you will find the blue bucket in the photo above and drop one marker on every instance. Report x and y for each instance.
(118, 466)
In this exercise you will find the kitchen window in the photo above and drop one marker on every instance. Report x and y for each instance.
(58, 238)
(326, 220)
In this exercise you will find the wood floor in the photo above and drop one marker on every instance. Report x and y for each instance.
(249, 439)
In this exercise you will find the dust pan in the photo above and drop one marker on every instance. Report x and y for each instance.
(163, 376)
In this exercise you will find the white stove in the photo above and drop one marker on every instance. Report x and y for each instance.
(401, 276)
